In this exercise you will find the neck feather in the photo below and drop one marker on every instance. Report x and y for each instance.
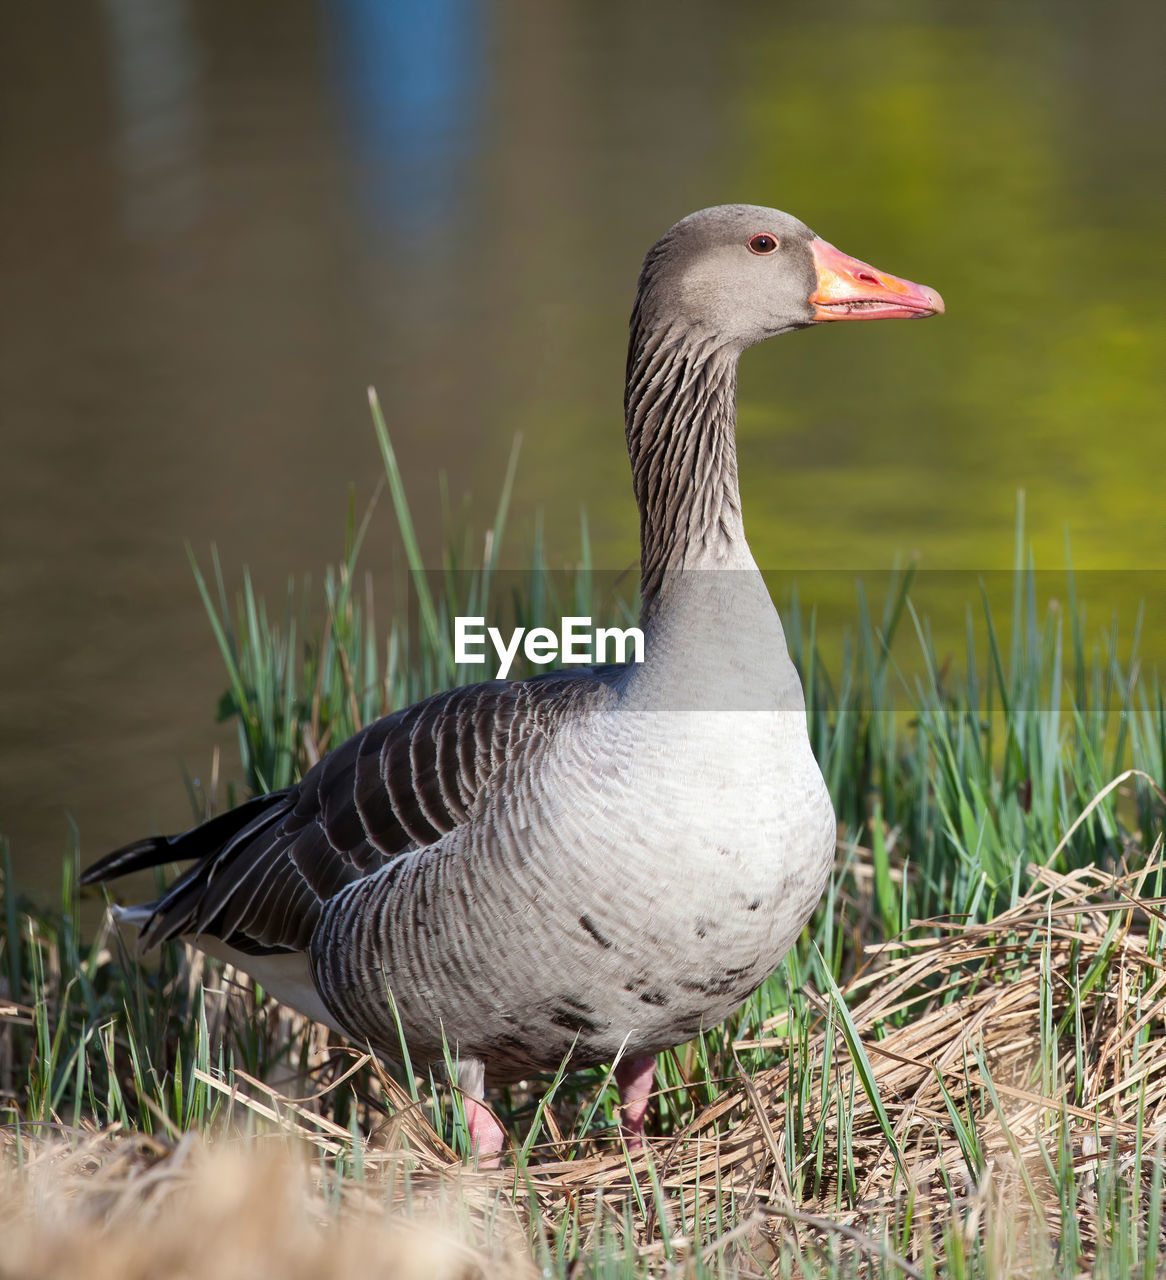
(680, 415)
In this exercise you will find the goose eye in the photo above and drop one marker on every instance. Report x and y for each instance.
(763, 242)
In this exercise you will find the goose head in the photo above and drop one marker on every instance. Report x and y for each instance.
(740, 273)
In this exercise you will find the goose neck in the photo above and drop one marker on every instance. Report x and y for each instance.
(680, 415)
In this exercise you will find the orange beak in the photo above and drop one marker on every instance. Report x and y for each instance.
(852, 290)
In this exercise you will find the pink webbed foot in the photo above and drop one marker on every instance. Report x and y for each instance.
(635, 1077)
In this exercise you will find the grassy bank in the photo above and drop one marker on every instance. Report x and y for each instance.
(960, 1070)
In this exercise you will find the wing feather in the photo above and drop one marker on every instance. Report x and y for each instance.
(263, 871)
(371, 798)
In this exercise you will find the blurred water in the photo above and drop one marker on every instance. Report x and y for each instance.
(220, 222)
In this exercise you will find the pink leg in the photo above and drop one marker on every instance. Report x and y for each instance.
(635, 1077)
(486, 1136)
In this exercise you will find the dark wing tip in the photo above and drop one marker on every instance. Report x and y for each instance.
(130, 857)
(199, 842)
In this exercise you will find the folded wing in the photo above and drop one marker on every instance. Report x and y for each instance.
(263, 870)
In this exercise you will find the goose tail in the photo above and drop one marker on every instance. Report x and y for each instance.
(197, 843)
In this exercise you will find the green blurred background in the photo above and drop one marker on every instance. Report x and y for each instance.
(220, 222)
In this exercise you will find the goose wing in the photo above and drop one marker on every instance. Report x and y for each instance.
(264, 870)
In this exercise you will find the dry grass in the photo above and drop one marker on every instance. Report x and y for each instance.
(997, 1053)
(992, 1087)
(124, 1207)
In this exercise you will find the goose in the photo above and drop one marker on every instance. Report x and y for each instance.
(595, 864)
